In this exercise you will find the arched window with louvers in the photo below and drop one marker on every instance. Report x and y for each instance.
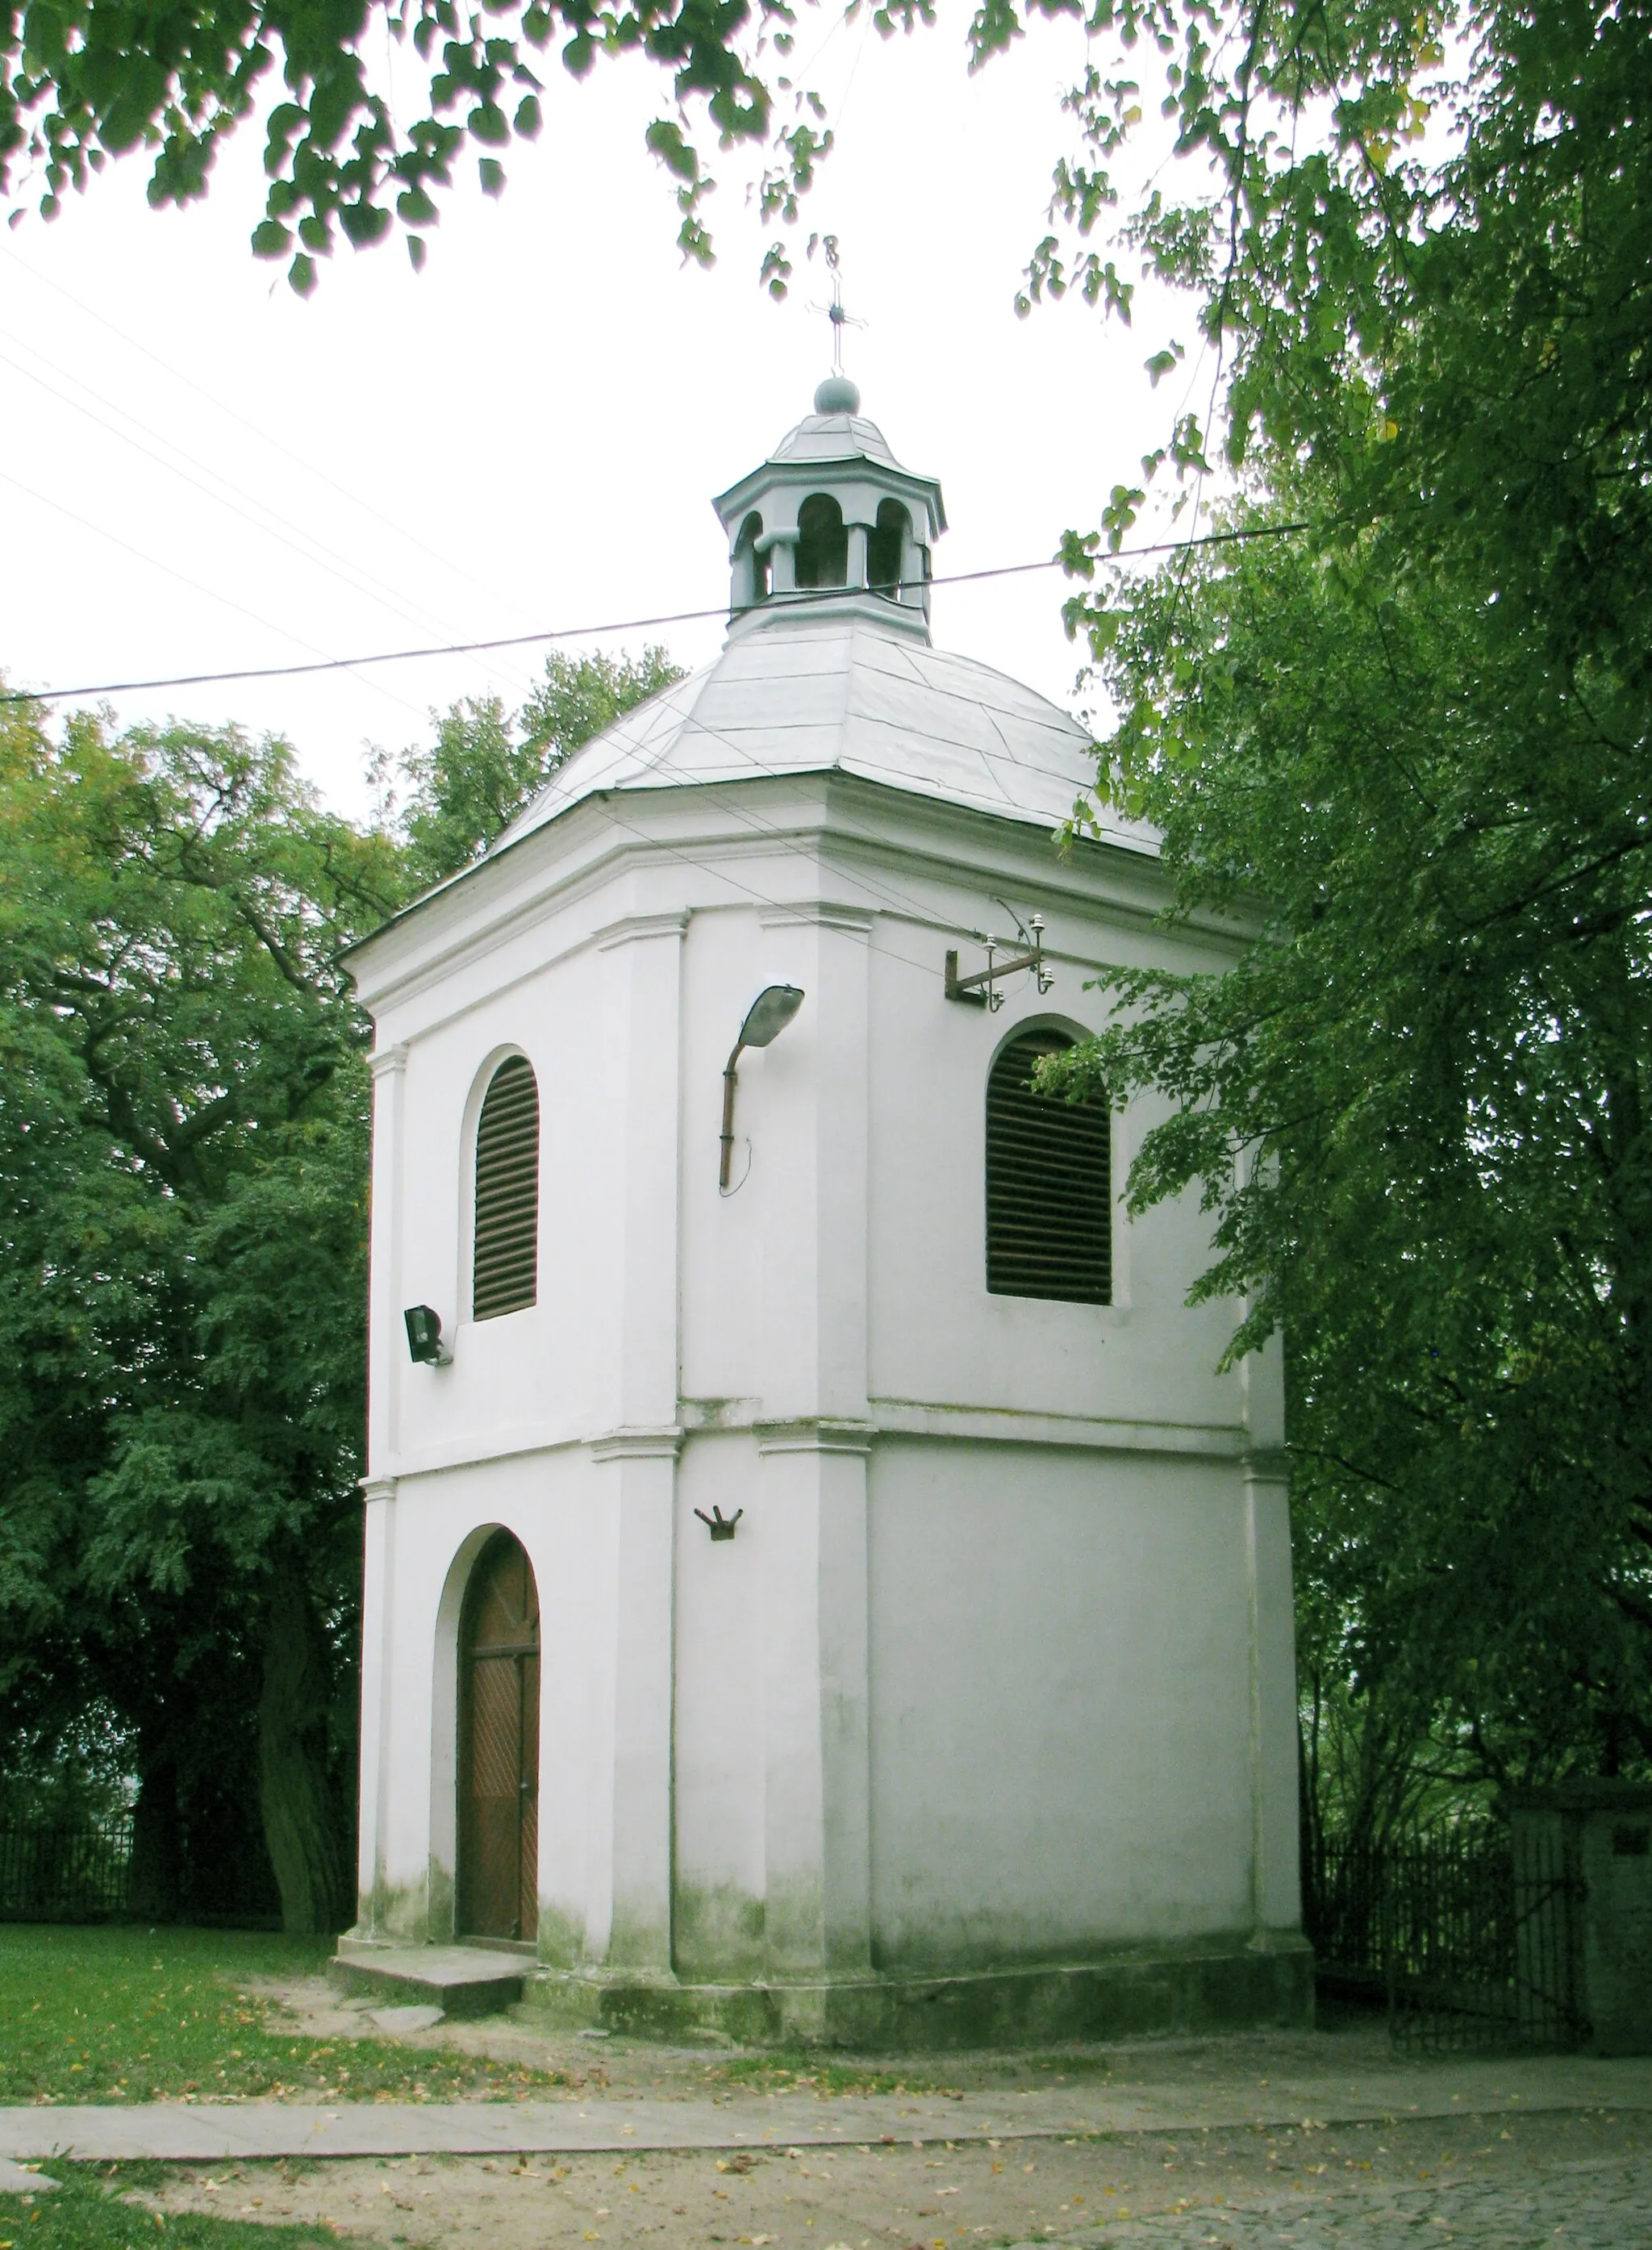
(505, 1227)
(1048, 1182)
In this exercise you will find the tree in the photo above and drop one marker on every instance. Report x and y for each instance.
(1399, 727)
(484, 767)
(1397, 731)
(81, 80)
(184, 1154)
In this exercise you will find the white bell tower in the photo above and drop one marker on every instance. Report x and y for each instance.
(823, 1579)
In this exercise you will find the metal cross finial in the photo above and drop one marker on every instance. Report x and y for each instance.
(833, 312)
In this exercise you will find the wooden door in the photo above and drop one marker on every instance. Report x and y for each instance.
(500, 1746)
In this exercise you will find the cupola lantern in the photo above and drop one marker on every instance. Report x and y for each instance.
(832, 520)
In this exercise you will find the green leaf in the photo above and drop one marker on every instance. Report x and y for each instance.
(664, 137)
(364, 223)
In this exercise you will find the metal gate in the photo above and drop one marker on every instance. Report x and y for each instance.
(63, 1873)
(1472, 1947)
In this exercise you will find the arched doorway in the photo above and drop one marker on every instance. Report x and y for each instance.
(500, 1746)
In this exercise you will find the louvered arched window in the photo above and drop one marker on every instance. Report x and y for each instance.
(504, 1273)
(1049, 1184)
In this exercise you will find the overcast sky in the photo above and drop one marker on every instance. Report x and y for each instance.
(202, 472)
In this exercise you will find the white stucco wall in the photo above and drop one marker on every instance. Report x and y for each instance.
(998, 1667)
(1060, 1745)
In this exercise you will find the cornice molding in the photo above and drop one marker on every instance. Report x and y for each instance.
(810, 1435)
(388, 1062)
(662, 1444)
(916, 1417)
(631, 927)
(825, 914)
(959, 846)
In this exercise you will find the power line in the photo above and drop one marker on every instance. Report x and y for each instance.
(483, 647)
(795, 600)
(902, 902)
(195, 586)
(304, 544)
(409, 538)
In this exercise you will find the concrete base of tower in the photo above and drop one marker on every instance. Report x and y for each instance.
(1215, 1985)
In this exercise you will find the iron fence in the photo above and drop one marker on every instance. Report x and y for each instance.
(1470, 1946)
(73, 1873)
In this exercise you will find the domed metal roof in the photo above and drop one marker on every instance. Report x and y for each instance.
(836, 437)
(836, 430)
(843, 692)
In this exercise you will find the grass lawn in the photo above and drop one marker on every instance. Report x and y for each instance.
(773, 2074)
(784, 2074)
(84, 2211)
(165, 2015)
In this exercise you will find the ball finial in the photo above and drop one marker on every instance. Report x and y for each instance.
(837, 395)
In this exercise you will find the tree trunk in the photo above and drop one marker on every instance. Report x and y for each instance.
(301, 1825)
(157, 1858)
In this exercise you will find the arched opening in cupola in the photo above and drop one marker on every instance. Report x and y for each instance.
(751, 566)
(822, 542)
(885, 547)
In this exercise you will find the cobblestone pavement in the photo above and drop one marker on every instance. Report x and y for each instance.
(1597, 2206)
(1581, 2180)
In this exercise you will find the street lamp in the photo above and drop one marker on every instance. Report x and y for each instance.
(765, 1018)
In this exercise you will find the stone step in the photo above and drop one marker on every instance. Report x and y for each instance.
(461, 1980)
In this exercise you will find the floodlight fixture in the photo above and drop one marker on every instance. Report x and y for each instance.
(765, 1020)
(424, 1343)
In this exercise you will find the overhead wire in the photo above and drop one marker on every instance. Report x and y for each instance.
(276, 444)
(776, 603)
(902, 902)
(760, 898)
(313, 551)
(154, 563)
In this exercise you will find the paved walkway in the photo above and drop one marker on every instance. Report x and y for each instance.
(206, 2132)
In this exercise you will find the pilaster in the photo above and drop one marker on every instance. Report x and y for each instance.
(856, 573)
(629, 1890)
(378, 1636)
(389, 1070)
(629, 1871)
(816, 1700)
(782, 562)
(639, 1166)
(814, 1441)
(1276, 1887)
(813, 1186)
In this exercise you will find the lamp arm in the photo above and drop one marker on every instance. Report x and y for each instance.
(726, 1148)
